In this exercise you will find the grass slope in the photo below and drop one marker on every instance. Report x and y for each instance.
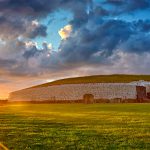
(98, 79)
(75, 126)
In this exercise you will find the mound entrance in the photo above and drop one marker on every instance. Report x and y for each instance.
(88, 98)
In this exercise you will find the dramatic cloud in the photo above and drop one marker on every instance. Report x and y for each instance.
(35, 30)
(36, 8)
(17, 17)
(127, 6)
(12, 27)
(88, 39)
(94, 42)
(103, 37)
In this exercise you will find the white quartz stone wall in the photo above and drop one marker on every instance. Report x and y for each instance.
(76, 92)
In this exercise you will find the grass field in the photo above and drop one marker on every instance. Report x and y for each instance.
(75, 126)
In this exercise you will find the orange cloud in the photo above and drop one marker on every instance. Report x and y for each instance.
(65, 32)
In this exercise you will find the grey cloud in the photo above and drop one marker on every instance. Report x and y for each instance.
(138, 43)
(100, 11)
(33, 51)
(13, 27)
(116, 8)
(142, 25)
(41, 8)
(7, 63)
(85, 43)
(38, 31)
(126, 6)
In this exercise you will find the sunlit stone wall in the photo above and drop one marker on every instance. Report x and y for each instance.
(76, 92)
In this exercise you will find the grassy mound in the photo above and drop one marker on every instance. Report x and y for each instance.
(98, 79)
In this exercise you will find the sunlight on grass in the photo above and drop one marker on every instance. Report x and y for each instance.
(75, 126)
(2, 147)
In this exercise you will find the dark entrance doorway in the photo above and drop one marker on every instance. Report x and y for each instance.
(141, 93)
(88, 98)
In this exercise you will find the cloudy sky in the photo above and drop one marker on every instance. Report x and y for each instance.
(43, 40)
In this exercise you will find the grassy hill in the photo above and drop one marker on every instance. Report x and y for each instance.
(98, 79)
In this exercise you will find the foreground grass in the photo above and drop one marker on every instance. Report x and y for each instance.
(75, 126)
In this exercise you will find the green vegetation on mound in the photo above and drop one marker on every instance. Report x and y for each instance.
(98, 79)
(75, 127)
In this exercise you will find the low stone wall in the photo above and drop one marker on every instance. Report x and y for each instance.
(76, 92)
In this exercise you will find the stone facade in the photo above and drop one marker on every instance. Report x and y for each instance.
(77, 91)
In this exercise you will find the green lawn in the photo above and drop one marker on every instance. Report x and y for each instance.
(75, 126)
